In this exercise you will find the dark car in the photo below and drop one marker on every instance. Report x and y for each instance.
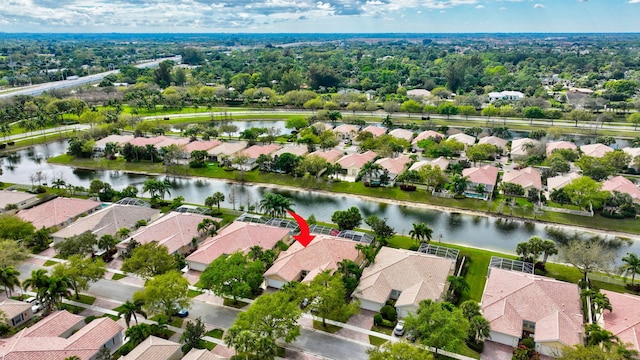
(183, 313)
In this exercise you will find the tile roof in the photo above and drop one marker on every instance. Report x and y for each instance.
(296, 150)
(494, 140)
(560, 181)
(94, 334)
(394, 165)
(486, 175)
(468, 140)
(108, 221)
(440, 162)
(331, 156)
(256, 150)
(624, 318)
(201, 145)
(153, 348)
(401, 134)
(346, 129)
(202, 354)
(323, 253)
(144, 141)
(14, 197)
(375, 130)
(527, 178)
(173, 230)
(595, 150)
(511, 297)
(419, 92)
(118, 139)
(238, 236)
(632, 151)
(623, 185)
(517, 146)
(356, 160)
(426, 135)
(418, 276)
(12, 308)
(556, 145)
(57, 211)
(227, 148)
(168, 141)
(54, 325)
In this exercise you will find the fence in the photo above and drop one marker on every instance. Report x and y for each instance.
(567, 211)
(442, 195)
(607, 279)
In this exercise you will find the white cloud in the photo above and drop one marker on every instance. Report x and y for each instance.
(480, 7)
(634, 1)
(538, 6)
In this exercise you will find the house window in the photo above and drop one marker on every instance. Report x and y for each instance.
(304, 274)
(395, 294)
(528, 328)
(17, 320)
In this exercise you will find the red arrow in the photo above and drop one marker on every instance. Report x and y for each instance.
(305, 236)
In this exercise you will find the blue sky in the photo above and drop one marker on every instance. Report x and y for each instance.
(327, 16)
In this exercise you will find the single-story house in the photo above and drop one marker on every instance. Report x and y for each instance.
(254, 151)
(560, 181)
(395, 166)
(528, 178)
(225, 149)
(238, 236)
(353, 163)
(463, 138)
(16, 312)
(520, 147)
(20, 199)
(107, 221)
(174, 230)
(428, 134)
(58, 212)
(331, 156)
(155, 348)
(144, 141)
(166, 141)
(595, 150)
(402, 134)
(346, 131)
(301, 263)
(505, 95)
(623, 320)
(117, 139)
(519, 305)
(201, 145)
(623, 185)
(375, 130)
(296, 150)
(556, 145)
(322, 126)
(418, 93)
(495, 141)
(61, 335)
(405, 276)
(486, 176)
(441, 162)
(202, 354)
(634, 152)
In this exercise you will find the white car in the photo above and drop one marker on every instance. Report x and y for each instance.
(399, 329)
(35, 304)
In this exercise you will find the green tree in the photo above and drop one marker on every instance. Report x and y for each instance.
(14, 228)
(38, 282)
(631, 266)
(149, 260)
(80, 272)
(347, 219)
(296, 122)
(582, 352)
(11, 253)
(9, 279)
(107, 243)
(82, 244)
(421, 232)
(479, 328)
(330, 298)
(398, 351)
(165, 293)
(193, 333)
(275, 205)
(585, 192)
(233, 275)
(588, 256)
(131, 308)
(214, 199)
(440, 325)
(634, 119)
(383, 232)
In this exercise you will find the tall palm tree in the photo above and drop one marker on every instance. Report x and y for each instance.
(59, 287)
(470, 308)
(107, 242)
(549, 248)
(421, 232)
(457, 284)
(130, 309)
(479, 328)
(631, 266)
(9, 279)
(38, 282)
(275, 205)
(597, 336)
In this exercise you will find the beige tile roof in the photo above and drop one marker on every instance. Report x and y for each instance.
(323, 253)
(375, 130)
(467, 140)
(168, 141)
(517, 146)
(14, 197)
(256, 150)
(511, 297)
(238, 236)
(401, 134)
(330, 156)
(632, 151)
(118, 139)
(153, 348)
(486, 175)
(556, 145)
(296, 150)
(440, 162)
(426, 135)
(624, 319)
(494, 140)
(394, 165)
(595, 150)
(173, 230)
(227, 148)
(13, 308)
(346, 129)
(418, 276)
(54, 325)
(201, 145)
(144, 141)
(108, 221)
(57, 211)
(94, 335)
(356, 160)
(202, 354)
(623, 185)
(560, 181)
(527, 178)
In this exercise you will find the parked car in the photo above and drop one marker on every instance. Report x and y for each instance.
(183, 313)
(399, 329)
(35, 304)
(411, 336)
(304, 303)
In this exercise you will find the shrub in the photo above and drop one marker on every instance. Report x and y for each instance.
(529, 343)
(389, 313)
(377, 319)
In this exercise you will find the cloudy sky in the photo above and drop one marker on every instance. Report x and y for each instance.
(360, 16)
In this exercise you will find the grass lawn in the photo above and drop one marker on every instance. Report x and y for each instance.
(50, 263)
(215, 333)
(162, 319)
(376, 341)
(317, 324)
(193, 293)
(234, 304)
(382, 329)
(118, 276)
(85, 299)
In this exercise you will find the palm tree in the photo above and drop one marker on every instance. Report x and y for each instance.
(130, 309)
(138, 333)
(216, 199)
(459, 183)
(457, 284)
(208, 227)
(275, 205)
(421, 232)
(470, 308)
(58, 184)
(255, 252)
(123, 233)
(631, 266)
(59, 287)
(370, 171)
(38, 282)
(5, 129)
(107, 242)
(111, 149)
(9, 279)
(479, 328)
(549, 248)
(597, 336)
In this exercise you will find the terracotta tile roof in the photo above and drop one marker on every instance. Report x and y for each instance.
(556, 145)
(346, 129)
(560, 181)
(12, 308)
(595, 150)
(511, 297)
(419, 277)
(401, 134)
(375, 130)
(623, 185)
(331, 156)
(486, 175)
(57, 211)
(527, 178)
(467, 140)
(108, 220)
(238, 236)
(624, 319)
(173, 230)
(54, 325)
(94, 335)
(426, 135)
(168, 141)
(153, 348)
(356, 160)
(293, 149)
(440, 162)
(256, 150)
(202, 354)
(201, 145)
(118, 139)
(394, 165)
(227, 148)
(323, 253)
(517, 146)
(144, 141)
(494, 140)
(14, 197)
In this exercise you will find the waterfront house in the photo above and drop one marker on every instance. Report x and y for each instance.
(487, 176)
(376, 131)
(58, 212)
(20, 199)
(402, 134)
(623, 185)
(352, 164)
(528, 178)
(557, 145)
(226, 149)
(595, 150)
(495, 141)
